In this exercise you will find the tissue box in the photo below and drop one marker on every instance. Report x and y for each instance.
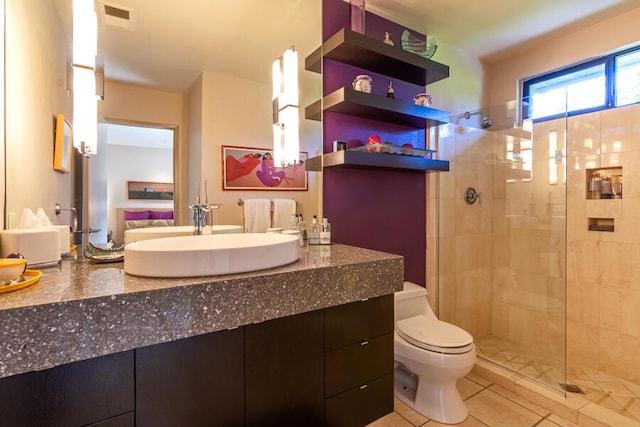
(37, 245)
(65, 240)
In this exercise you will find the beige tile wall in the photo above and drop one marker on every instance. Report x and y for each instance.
(603, 276)
(502, 262)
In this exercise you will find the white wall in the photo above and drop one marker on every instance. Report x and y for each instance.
(226, 110)
(35, 93)
(135, 164)
(586, 43)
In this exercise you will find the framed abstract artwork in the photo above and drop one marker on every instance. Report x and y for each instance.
(245, 168)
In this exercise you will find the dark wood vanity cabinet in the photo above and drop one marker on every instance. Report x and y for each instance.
(196, 381)
(94, 392)
(359, 362)
(331, 367)
(284, 371)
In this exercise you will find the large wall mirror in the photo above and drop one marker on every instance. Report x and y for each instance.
(201, 70)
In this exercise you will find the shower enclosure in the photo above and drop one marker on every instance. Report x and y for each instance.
(502, 238)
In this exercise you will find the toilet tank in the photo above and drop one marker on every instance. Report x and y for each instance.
(411, 301)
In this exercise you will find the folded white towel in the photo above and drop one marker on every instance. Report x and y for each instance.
(282, 211)
(257, 215)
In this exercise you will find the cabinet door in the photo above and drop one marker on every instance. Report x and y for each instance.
(29, 399)
(193, 382)
(95, 389)
(285, 372)
(74, 394)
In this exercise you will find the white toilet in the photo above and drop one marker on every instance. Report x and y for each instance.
(430, 356)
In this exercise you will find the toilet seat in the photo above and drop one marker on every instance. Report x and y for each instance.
(434, 335)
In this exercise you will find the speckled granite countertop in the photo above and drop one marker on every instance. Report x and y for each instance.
(86, 310)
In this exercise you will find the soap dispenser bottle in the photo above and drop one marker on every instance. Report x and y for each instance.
(325, 232)
(314, 236)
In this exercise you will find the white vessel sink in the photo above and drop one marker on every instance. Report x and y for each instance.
(210, 255)
(137, 234)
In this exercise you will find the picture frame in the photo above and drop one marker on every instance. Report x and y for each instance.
(63, 143)
(247, 168)
(149, 190)
(339, 145)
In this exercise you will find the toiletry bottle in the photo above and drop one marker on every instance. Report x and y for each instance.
(605, 192)
(302, 227)
(325, 232)
(595, 186)
(294, 221)
(314, 236)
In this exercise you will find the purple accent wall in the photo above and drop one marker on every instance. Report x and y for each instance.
(373, 208)
(382, 210)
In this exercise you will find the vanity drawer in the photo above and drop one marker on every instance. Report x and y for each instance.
(357, 364)
(358, 321)
(361, 405)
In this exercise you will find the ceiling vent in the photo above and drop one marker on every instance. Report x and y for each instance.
(117, 16)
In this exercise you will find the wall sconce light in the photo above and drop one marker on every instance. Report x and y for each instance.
(86, 68)
(286, 135)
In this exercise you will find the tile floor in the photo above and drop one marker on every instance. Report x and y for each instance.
(489, 405)
(616, 394)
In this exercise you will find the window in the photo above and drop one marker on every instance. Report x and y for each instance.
(607, 82)
(627, 82)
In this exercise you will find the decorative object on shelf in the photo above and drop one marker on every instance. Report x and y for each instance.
(357, 11)
(387, 39)
(423, 99)
(339, 145)
(425, 48)
(373, 140)
(362, 83)
(286, 135)
(246, 168)
(390, 93)
(388, 148)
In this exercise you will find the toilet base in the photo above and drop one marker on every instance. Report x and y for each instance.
(439, 401)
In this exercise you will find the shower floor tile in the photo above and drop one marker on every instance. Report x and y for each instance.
(603, 389)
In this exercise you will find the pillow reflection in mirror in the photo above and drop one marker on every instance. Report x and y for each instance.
(161, 214)
(136, 215)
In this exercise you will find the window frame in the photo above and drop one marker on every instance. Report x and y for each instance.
(610, 84)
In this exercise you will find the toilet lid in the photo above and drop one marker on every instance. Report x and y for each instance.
(434, 335)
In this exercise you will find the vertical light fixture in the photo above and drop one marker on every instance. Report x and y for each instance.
(286, 135)
(85, 107)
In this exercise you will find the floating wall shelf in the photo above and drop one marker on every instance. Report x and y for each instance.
(349, 158)
(376, 107)
(349, 47)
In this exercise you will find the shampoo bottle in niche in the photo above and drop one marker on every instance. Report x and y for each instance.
(314, 236)
(325, 232)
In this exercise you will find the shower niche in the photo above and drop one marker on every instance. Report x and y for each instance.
(604, 198)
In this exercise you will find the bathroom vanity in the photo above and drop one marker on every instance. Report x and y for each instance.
(310, 343)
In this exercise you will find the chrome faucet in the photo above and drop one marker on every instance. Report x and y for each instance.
(200, 211)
